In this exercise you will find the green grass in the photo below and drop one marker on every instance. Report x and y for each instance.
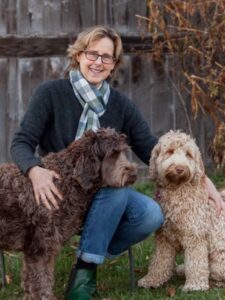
(218, 179)
(113, 276)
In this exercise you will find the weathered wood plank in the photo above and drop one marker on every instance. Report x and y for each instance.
(43, 16)
(137, 8)
(34, 46)
(12, 109)
(153, 94)
(119, 13)
(70, 17)
(19, 46)
(122, 78)
(3, 109)
(3, 18)
(39, 16)
(123, 15)
(24, 17)
(103, 11)
(87, 13)
(54, 67)
(10, 11)
(51, 16)
(30, 74)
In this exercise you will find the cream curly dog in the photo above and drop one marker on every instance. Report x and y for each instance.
(191, 224)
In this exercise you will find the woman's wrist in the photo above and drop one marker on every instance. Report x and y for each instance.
(32, 170)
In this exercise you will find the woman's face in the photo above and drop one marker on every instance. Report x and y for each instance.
(96, 71)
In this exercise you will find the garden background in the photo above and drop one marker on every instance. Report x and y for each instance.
(173, 69)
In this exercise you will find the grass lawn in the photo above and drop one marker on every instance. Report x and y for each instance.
(113, 276)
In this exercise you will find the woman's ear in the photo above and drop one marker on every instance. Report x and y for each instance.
(77, 57)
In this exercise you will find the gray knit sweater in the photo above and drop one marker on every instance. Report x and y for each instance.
(52, 119)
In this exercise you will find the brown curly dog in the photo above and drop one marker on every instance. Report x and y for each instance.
(94, 161)
(191, 224)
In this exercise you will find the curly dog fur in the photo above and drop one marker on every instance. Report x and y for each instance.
(191, 224)
(94, 161)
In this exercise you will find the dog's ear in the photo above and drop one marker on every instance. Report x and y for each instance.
(199, 166)
(86, 170)
(152, 162)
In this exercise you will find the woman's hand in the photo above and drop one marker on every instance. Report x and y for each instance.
(44, 189)
(216, 197)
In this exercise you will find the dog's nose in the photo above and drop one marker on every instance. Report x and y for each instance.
(133, 170)
(179, 170)
(133, 173)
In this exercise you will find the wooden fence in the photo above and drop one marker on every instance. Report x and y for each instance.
(34, 36)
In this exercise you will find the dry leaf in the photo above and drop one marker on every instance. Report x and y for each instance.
(8, 278)
(171, 292)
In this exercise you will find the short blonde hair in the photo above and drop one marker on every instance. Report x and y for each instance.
(90, 35)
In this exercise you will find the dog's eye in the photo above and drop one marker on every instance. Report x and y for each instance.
(170, 151)
(189, 155)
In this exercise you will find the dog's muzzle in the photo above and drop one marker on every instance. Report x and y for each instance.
(178, 174)
(130, 174)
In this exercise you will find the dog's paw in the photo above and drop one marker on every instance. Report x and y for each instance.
(195, 287)
(148, 282)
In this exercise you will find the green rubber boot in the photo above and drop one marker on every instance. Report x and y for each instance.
(82, 284)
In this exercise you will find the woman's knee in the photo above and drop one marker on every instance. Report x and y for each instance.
(110, 198)
(153, 218)
(109, 193)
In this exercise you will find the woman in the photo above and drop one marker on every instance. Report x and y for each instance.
(59, 112)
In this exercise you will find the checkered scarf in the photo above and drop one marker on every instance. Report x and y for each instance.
(93, 101)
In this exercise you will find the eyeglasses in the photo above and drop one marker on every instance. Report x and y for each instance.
(93, 56)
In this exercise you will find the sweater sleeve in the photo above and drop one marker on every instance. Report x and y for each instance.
(140, 138)
(28, 136)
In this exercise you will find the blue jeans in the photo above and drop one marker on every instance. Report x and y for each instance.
(117, 219)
